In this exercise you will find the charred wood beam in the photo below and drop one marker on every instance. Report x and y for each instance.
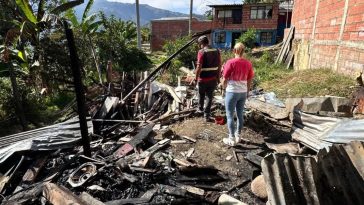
(163, 65)
(24, 196)
(79, 89)
(174, 114)
(128, 201)
(126, 121)
(33, 171)
(139, 138)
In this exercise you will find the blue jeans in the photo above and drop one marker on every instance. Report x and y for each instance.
(234, 101)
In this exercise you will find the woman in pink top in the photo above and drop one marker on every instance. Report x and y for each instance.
(237, 78)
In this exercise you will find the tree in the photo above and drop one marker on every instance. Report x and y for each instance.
(145, 34)
(208, 14)
(23, 33)
(185, 58)
(88, 26)
(117, 42)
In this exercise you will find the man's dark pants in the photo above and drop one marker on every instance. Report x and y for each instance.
(206, 89)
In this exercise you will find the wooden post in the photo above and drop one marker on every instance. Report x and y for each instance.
(79, 89)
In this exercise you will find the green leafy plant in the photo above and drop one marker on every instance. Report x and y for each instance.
(248, 38)
(117, 42)
(185, 58)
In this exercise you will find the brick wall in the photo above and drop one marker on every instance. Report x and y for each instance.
(338, 35)
(260, 23)
(247, 22)
(165, 30)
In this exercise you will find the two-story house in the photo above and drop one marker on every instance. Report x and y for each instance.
(229, 22)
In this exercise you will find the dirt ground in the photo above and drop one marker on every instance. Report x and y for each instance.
(210, 150)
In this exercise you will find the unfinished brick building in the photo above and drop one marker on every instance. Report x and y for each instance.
(172, 28)
(329, 34)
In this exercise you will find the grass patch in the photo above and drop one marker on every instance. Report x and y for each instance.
(309, 83)
(276, 78)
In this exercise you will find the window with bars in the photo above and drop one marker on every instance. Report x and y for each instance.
(266, 37)
(261, 12)
(220, 37)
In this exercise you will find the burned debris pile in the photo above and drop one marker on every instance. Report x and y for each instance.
(127, 165)
(301, 151)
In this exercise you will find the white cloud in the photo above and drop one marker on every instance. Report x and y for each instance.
(199, 6)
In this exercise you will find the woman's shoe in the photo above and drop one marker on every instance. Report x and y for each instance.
(229, 141)
(237, 138)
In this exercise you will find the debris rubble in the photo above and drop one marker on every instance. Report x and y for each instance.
(150, 146)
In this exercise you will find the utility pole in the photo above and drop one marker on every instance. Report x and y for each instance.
(190, 21)
(138, 24)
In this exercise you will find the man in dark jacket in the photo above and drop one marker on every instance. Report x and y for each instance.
(207, 74)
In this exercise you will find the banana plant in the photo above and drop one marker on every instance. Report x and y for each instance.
(88, 26)
(26, 30)
(12, 63)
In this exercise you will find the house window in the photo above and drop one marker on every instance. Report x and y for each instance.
(237, 15)
(224, 14)
(220, 37)
(261, 12)
(266, 37)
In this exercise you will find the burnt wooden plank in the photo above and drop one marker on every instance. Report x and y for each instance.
(59, 195)
(34, 169)
(137, 139)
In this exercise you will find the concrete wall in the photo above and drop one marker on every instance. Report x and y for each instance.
(329, 34)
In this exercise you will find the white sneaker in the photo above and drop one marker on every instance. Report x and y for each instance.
(229, 141)
(237, 138)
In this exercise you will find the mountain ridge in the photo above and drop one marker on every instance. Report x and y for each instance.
(126, 11)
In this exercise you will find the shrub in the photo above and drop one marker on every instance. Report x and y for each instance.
(187, 56)
(248, 38)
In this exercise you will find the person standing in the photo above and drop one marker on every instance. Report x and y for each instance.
(207, 75)
(237, 79)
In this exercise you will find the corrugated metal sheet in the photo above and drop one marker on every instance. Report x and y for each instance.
(333, 177)
(318, 132)
(68, 127)
(223, 5)
(57, 136)
(330, 104)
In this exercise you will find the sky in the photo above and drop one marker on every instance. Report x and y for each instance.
(183, 6)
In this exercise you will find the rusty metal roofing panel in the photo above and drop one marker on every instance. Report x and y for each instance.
(318, 132)
(333, 177)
